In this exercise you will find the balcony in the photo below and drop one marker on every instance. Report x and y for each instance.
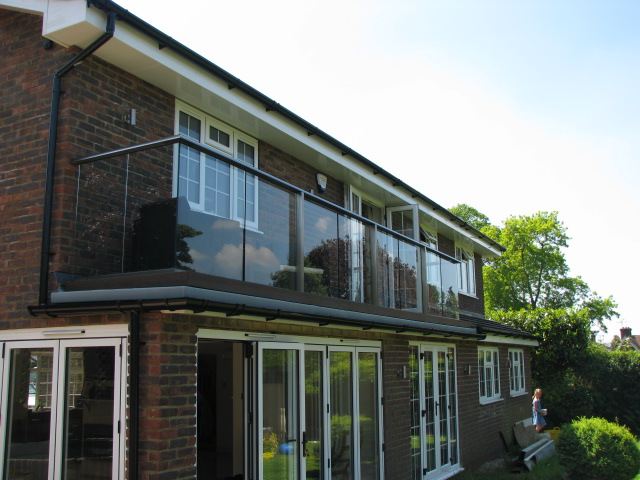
(242, 224)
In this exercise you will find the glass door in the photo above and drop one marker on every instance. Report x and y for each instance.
(88, 423)
(28, 409)
(341, 413)
(280, 407)
(434, 411)
(61, 409)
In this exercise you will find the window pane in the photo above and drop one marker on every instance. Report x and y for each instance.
(89, 397)
(414, 406)
(246, 153)
(189, 126)
(368, 405)
(314, 413)
(341, 396)
(279, 414)
(29, 413)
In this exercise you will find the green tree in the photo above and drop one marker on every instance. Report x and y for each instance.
(473, 217)
(533, 271)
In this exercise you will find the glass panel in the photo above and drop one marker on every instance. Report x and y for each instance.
(397, 272)
(206, 243)
(443, 408)
(406, 275)
(385, 264)
(402, 222)
(314, 412)
(29, 413)
(88, 416)
(341, 399)
(452, 408)
(326, 252)
(434, 287)
(521, 371)
(414, 407)
(189, 126)
(355, 236)
(270, 254)
(449, 295)
(430, 413)
(279, 414)
(368, 415)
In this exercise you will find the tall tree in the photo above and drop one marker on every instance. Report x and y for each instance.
(472, 216)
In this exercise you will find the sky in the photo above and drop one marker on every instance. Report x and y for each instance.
(510, 106)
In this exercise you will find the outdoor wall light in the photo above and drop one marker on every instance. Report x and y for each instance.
(321, 180)
(467, 369)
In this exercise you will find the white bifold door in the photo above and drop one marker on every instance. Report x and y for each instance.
(434, 411)
(61, 409)
(319, 412)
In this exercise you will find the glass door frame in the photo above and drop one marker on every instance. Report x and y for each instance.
(118, 429)
(59, 345)
(299, 348)
(355, 405)
(439, 467)
(260, 341)
(9, 346)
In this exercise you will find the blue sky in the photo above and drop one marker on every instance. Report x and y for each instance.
(510, 106)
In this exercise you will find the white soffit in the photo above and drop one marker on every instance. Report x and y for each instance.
(27, 6)
(70, 22)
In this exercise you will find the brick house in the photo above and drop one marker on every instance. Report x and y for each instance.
(196, 282)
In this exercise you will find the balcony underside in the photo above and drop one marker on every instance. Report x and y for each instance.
(187, 290)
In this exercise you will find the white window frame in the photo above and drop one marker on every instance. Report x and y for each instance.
(60, 341)
(466, 271)
(517, 376)
(494, 368)
(234, 136)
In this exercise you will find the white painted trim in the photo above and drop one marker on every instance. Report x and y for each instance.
(485, 400)
(510, 341)
(81, 331)
(491, 400)
(212, 334)
(523, 390)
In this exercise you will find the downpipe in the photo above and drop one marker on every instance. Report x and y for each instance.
(45, 253)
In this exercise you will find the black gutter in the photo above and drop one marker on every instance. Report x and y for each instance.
(45, 253)
(134, 395)
(165, 41)
(198, 305)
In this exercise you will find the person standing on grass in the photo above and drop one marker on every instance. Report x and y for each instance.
(537, 412)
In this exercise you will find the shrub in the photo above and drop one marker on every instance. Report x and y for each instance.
(593, 448)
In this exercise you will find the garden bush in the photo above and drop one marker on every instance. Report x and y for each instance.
(593, 448)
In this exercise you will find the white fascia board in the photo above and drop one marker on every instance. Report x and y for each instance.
(139, 54)
(77, 331)
(525, 342)
(26, 6)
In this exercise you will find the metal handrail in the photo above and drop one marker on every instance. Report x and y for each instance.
(189, 142)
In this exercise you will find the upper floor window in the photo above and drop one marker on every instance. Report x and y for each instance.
(212, 185)
(488, 374)
(466, 271)
(516, 372)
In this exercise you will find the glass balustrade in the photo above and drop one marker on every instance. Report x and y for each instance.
(222, 219)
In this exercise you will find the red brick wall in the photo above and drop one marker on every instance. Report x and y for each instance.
(168, 363)
(25, 90)
(397, 418)
(480, 425)
(284, 166)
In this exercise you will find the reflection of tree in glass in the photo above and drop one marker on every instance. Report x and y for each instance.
(182, 247)
(331, 257)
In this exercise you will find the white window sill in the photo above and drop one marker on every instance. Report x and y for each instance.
(489, 401)
(455, 470)
(518, 394)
